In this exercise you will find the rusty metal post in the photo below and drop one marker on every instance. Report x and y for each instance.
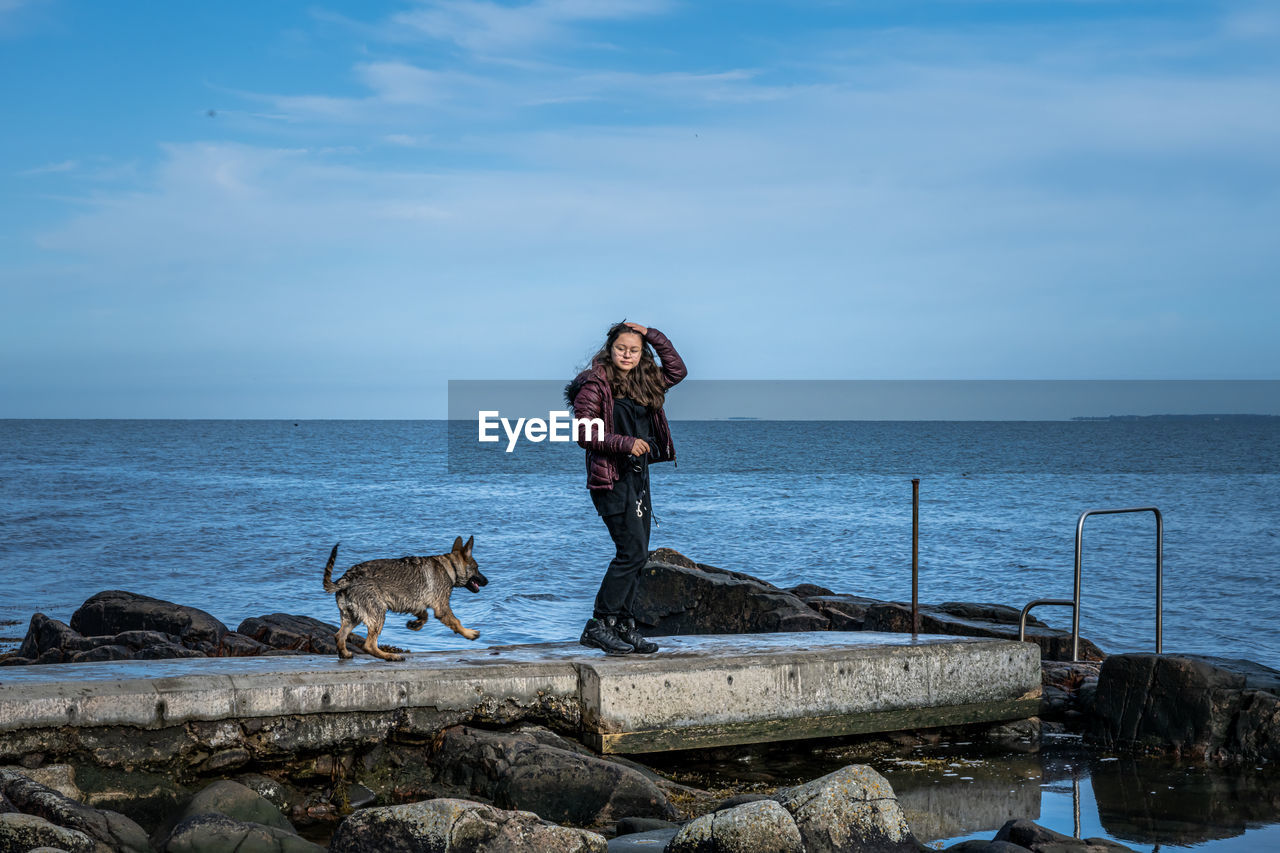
(915, 557)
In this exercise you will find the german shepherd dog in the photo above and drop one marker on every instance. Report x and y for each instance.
(407, 585)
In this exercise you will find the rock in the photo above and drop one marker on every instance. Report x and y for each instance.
(1016, 736)
(237, 645)
(853, 808)
(532, 769)
(44, 634)
(843, 612)
(808, 590)
(51, 641)
(763, 826)
(237, 802)
(56, 777)
(106, 652)
(679, 596)
(284, 797)
(985, 847)
(1038, 839)
(20, 833)
(633, 825)
(455, 826)
(1067, 687)
(115, 611)
(738, 800)
(117, 832)
(977, 620)
(286, 631)
(216, 833)
(1194, 706)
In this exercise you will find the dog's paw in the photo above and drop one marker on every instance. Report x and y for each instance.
(415, 624)
(470, 634)
(345, 655)
(395, 657)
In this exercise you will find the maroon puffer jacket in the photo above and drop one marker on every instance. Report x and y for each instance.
(591, 397)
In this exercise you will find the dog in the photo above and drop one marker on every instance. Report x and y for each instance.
(408, 585)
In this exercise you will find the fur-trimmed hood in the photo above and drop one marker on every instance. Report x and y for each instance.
(575, 385)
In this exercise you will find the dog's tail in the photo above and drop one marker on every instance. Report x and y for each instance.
(329, 585)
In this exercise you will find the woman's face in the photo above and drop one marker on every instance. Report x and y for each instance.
(625, 351)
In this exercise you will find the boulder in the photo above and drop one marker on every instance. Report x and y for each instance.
(679, 596)
(51, 641)
(532, 769)
(1195, 706)
(111, 830)
(457, 826)
(20, 833)
(44, 634)
(808, 590)
(634, 825)
(1038, 839)
(216, 833)
(115, 611)
(1068, 689)
(286, 631)
(852, 809)
(843, 612)
(965, 619)
(763, 826)
(57, 777)
(978, 846)
(238, 802)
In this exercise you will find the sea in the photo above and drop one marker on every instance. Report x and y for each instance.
(237, 517)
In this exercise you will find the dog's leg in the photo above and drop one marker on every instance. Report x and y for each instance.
(371, 641)
(416, 624)
(445, 615)
(344, 631)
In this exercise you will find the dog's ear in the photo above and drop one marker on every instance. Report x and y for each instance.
(457, 544)
(466, 549)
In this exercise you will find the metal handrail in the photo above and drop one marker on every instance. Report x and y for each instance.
(1074, 604)
(1022, 619)
(1075, 619)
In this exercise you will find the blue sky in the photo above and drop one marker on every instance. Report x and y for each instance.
(329, 210)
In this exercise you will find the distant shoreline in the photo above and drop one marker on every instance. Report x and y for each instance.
(1219, 417)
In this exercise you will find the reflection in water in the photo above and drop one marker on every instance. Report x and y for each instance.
(1160, 802)
(957, 791)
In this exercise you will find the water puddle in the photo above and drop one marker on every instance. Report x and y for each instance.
(960, 790)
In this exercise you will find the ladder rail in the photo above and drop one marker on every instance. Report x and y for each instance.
(1075, 619)
(1074, 603)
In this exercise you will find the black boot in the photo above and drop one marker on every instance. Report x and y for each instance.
(602, 633)
(627, 631)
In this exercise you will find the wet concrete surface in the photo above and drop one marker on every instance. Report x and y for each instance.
(673, 648)
(729, 688)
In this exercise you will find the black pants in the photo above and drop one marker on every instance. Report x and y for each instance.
(630, 534)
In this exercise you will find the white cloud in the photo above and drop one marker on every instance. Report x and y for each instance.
(1012, 206)
(52, 168)
(486, 26)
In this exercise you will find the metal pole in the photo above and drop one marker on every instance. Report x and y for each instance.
(915, 557)
(1075, 597)
(1159, 580)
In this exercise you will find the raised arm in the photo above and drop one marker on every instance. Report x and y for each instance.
(673, 369)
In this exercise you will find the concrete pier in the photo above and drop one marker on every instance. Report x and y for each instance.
(698, 691)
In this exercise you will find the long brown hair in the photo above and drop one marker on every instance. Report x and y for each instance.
(642, 383)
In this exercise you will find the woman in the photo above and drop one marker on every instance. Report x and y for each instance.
(625, 388)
